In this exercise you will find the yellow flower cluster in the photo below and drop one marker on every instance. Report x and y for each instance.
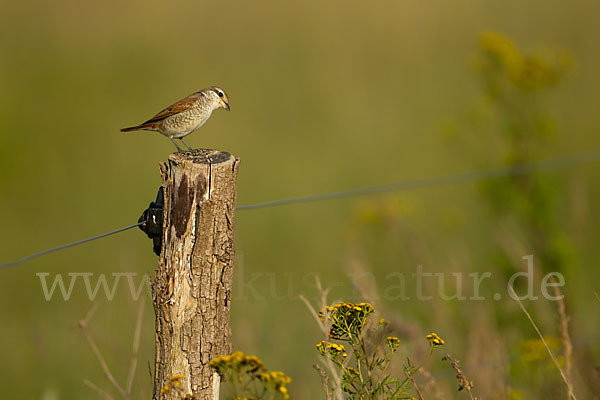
(333, 349)
(236, 361)
(392, 342)
(525, 72)
(278, 379)
(347, 319)
(241, 367)
(535, 349)
(174, 382)
(435, 340)
(501, 49)
(344, 307)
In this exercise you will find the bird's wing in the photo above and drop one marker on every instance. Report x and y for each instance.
(175, 108)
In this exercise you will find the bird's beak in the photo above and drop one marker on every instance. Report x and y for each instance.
(226, 106)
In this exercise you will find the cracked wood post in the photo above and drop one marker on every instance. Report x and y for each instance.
(192, 288)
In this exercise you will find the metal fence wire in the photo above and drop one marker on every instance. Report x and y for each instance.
(546, 165)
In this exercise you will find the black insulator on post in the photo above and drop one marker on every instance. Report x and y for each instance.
(152, 221)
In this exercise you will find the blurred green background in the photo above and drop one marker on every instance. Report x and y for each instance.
(325, 96)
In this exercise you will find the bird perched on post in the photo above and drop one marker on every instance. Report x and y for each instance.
(184, 117)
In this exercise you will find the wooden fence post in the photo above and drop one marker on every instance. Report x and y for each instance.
(192, 288)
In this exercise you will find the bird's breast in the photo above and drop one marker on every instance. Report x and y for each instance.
(186, 122)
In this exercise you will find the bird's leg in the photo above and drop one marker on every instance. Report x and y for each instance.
(178, 148)
(188, 146)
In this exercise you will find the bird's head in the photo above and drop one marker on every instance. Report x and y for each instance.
(219, 96)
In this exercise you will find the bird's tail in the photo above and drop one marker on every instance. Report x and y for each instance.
(144, 126)
(133, 128)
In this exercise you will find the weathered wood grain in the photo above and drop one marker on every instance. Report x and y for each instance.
(192, 288)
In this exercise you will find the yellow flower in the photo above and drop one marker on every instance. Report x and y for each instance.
(277, 381)
(435, 340)
(321, 316)
(348, 319)
(392, 342)
(502, 50)
(332, 350)
(278, 378)
(534, 350)
(336, 347)
(505, 67)
(321, 347)
(284, 392)
(236, 361)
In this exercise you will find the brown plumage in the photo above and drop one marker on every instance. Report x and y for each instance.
(186, 115)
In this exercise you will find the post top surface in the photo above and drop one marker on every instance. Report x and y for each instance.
(202, 156)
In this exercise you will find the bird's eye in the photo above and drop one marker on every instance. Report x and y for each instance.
(220, 94)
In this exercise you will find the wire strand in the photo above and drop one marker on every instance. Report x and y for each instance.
(65, 246)
(470, 176)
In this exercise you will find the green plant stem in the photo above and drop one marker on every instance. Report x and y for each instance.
(236, 383)
(358, 389)
(388, 362)
(362, 347)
